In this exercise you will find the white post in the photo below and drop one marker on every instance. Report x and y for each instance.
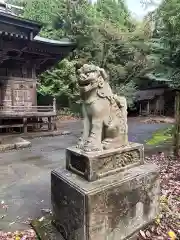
(54, 104)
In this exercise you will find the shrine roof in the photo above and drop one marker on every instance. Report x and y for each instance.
(19, 23)
(8, 21)
(62, 42)
(149, 94)
(16, 27)
(20, 42)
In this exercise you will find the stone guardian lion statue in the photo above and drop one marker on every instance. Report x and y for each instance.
(105, 114)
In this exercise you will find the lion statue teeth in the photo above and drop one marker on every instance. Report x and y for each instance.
(105, 114)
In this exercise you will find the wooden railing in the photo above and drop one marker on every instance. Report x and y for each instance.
(31, 109)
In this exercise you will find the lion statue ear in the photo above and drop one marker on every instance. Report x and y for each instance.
(103, 74)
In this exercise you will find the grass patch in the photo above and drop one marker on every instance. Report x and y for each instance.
(161, 136)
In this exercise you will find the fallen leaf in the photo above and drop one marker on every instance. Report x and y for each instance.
(11, 223)
(148, 234)
(41, 219)
(142, 233)
(172, 235)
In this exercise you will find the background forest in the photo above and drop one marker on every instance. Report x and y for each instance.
(134, 53)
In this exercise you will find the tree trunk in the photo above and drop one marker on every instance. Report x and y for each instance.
(176, 136)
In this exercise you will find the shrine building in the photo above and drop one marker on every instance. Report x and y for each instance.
(23, 56)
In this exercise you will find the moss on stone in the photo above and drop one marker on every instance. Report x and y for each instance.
(161, 136)
(45, 229)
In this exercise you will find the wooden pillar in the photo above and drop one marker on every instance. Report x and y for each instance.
(34, 124)
(148, 108)
(49, 123)
(140, 109)
(157, 107)
(25, 125)
(0, 128)
(38, 125)
(176, 136)
(54, 123)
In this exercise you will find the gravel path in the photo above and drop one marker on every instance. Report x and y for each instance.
(25, 174)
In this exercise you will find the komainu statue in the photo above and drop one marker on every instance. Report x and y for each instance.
(105, 114)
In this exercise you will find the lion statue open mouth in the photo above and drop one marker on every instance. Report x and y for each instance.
(105, 114)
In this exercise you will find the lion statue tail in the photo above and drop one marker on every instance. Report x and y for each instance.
(120, 101)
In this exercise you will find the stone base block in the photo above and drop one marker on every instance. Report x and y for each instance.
(6, 147)
(96, 165)
(112, 208)
(22, 143)
(10, 143)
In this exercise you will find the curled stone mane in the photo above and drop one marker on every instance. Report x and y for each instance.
(104, 89)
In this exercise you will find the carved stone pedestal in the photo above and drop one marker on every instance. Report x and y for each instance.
(95, 165)
(111, 208)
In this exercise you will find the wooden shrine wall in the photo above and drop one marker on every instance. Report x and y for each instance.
(17, 85)
(17, 92)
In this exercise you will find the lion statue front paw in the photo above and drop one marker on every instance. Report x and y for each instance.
(89, 146)
(80, 143)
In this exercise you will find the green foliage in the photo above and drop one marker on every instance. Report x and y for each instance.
(60, 82)
(105, 34)
(167, 34)
(115, 12)
(127, 90)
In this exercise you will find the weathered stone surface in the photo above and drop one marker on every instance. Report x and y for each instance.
(45, 228)
(111, 208)
(22, 143)
(96, 165)
(10, 143)
(6, 147)
(106, 192)
(104, 113)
